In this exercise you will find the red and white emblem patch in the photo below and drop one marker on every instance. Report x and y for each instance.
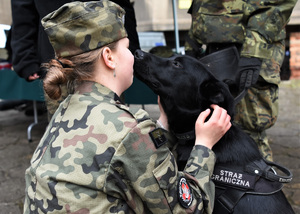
(184, 193)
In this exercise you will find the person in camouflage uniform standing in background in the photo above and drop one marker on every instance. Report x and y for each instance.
(97, 155)
(257, 29)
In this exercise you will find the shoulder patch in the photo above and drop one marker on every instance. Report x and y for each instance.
(158, 137)
(185, 195)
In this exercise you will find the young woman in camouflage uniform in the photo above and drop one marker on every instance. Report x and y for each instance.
(97, 155)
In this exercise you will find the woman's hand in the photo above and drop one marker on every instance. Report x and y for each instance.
(162, 120)
(210, 132)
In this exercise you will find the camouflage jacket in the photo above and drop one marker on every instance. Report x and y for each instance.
(97, 156)
(257, 24)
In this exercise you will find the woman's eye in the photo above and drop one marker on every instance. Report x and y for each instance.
(177, 64)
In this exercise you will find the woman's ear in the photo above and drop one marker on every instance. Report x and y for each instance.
(108, 58)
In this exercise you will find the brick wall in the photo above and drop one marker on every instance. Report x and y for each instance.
(295, 55)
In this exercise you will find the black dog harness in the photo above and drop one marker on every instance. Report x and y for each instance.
(233, 182)
(257, 178)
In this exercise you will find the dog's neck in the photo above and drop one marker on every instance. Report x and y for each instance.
(181, 124)
(235, 147)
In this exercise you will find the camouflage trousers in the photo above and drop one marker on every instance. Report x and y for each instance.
(258, 110)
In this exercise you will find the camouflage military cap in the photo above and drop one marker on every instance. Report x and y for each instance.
(79, 27)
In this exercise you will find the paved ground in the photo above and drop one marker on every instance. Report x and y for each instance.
(15, 151)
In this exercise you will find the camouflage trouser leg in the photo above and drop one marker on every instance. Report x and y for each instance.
(258, 111)
(52, 105)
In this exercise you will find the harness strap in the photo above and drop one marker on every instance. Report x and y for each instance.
(264, 169)
(226, 202)
(240, 96)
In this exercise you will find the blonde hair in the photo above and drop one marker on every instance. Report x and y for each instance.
(70, 71)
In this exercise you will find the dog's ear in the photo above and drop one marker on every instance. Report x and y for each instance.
(216, 92)
(211, 91)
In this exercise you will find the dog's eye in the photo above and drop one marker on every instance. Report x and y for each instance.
(176, 64)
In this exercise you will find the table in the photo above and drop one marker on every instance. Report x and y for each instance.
(13, 87)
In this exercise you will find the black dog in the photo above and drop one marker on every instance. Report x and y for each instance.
(245, 182)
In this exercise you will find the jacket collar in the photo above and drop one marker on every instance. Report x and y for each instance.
(88, 87)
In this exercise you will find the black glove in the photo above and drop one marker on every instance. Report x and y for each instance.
(248, 72)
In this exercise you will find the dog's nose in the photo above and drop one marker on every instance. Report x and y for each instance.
(139, 54)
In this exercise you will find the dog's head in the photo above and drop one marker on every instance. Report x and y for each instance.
(185, 87)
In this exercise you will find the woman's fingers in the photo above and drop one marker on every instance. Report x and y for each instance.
(220, 114)
(202, 116)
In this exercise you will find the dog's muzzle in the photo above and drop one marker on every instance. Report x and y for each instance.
(138, 54)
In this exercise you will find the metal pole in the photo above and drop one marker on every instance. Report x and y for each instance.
(34, 123)
(176, 26)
